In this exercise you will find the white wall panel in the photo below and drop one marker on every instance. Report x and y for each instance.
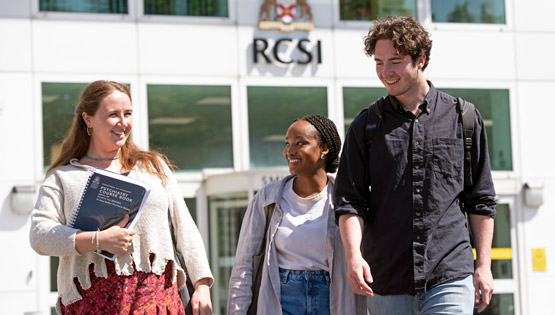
(187, 49)
(14, 242)
(15, 45)
(19, 276)
(16, 128)
(323, 12)
(533, 54)
(540, 297)
(536, 234)
(476, 54)
(534, 15)
(84, 47)
(19, 302)
(533, 112)
(10, 8)
(248, 11)
(350, 59)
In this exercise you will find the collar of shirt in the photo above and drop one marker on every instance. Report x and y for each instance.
(426, 107)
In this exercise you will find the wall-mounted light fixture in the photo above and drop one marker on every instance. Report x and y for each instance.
(533, 194)
(23, 199)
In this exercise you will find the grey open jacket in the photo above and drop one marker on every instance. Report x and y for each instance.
(342, 299)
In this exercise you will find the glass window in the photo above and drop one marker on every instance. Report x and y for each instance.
(54, 262)
(192, 206)
(226, 213)
(84, 6)
(356, 99)
(271, 111)
(191, 125)
(187, 8)
(502, 254)
(501, 250)
(58, 104)
(494, 108)
(368, 10)
(501, 304)
(469, 11)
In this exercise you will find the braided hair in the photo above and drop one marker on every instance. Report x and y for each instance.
(327, 133)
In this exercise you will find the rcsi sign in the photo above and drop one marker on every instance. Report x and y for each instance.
(286, 16)
(302, 54)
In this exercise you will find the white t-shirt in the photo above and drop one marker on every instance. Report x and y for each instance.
(300, 239)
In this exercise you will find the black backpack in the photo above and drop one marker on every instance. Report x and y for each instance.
(466, 110)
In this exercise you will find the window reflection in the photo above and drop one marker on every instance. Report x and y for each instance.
(355, 99)
(187, 8)
(494, 107)
(192, 207)
(501, 304)
(501, 264)
(367, 10)
(54, 262)
(58, 104)
(469, 11)
(191, 125)
(84, 6)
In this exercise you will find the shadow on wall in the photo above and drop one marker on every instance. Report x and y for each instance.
(9, 219)
(532, 197)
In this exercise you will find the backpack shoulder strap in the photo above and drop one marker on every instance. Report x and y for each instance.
(373, 119)
(468, 115)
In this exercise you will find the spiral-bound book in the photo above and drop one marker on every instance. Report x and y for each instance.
(105, 200)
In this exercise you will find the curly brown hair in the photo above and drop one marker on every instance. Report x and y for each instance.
(408, 36)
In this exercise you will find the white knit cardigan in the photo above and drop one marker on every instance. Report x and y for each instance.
(50, 236)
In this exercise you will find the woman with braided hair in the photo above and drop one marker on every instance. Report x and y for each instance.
(303, 271)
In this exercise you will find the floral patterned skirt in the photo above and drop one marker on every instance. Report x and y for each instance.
(140, 293)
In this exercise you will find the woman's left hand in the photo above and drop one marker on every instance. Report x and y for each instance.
(200, 301)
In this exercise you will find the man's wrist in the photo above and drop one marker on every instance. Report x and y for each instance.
(483, 263)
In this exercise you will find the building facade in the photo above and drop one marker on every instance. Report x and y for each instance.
(216, 83)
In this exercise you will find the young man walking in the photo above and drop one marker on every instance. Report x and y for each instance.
(401, 201)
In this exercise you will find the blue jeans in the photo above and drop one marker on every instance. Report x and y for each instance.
(452, 297)
(305, 291)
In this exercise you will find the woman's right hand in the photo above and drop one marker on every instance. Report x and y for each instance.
(116, 239)
(201, 302)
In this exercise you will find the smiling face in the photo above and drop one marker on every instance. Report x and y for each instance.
(399, 74)
(111, 125)
(302, 149)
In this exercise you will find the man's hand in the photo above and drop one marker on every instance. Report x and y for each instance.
(483, 285)
(482, 230)
(358, 271)
(359, 275)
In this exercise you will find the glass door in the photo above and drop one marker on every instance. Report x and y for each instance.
(226, 214)
(227, 198)
(504, 262)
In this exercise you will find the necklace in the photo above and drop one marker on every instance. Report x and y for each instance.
(102, 159)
